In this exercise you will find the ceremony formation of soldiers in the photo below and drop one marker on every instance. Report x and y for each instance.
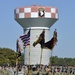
(37, 70)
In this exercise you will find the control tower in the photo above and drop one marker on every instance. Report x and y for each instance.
(36, 18)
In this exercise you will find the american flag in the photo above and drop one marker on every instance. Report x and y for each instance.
(25, 39)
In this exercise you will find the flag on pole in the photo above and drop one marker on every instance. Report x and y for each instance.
(40, 39)
(25, 39)
(50, 44)
(18, 48)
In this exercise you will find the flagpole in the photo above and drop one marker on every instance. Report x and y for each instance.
(24, 52)
(25, 44)
(17, 57)
(24, 59)
(16, 64)
(29, 62)
(51, 58)
(41, 57)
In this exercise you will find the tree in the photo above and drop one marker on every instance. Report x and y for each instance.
(62, 61)
(7, 56)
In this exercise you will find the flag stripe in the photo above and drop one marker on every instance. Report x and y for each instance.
(25, 40)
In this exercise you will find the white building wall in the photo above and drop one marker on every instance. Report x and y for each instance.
(35, 52)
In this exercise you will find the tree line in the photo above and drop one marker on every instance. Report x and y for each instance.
(62, 61)
(8, 57)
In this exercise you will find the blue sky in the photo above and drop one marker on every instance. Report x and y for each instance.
(10, 30)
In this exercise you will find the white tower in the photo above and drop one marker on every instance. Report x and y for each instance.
(36, 18)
